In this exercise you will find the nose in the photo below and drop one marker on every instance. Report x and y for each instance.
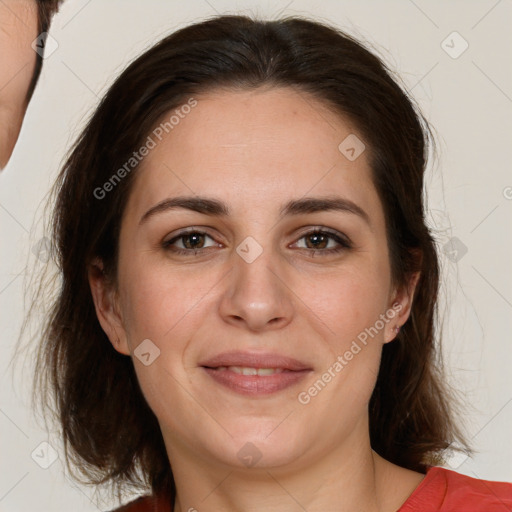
(257, 295)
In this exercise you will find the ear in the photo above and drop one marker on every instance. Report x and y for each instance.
(401, 304)
(106, 305)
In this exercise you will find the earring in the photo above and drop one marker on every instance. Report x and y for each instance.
(397, 329)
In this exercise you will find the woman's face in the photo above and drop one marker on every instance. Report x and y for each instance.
(255, 280)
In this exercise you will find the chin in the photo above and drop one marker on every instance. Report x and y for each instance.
(265, 444)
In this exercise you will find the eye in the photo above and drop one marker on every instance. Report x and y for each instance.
(324, 241)
(188, 242)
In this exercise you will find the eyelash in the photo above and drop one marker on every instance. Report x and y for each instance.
(344, 244)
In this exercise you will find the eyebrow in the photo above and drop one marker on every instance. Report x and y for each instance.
(216, 208)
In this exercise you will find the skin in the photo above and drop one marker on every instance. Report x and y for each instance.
(256, 150)
(18, 28)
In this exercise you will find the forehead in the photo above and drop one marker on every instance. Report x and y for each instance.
(260, 147)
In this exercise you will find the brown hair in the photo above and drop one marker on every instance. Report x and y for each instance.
(112, 439)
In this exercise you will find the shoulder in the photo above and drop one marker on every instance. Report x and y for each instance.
(444, 490)
(146, 504)
(468, 490)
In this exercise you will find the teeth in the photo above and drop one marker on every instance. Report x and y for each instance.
(244, 370)
(269, 371)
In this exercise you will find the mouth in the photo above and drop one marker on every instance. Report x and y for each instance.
(255, 374)
(247, 370)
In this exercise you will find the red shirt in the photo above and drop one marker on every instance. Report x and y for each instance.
(442, 490)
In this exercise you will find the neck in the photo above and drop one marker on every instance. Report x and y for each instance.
(348, 477)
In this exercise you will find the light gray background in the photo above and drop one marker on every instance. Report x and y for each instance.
(468, 100)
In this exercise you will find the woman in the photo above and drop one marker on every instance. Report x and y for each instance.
(248, 285)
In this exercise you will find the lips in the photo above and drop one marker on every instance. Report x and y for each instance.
(254, 360)
(255, 374)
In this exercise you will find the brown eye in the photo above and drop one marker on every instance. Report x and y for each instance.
(193, 240)
(188, 242)
(317, 241)
(324, 242)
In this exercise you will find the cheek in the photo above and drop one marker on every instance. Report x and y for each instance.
(160, 301)
(349, 300)
(165, 307)
(357, 301)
